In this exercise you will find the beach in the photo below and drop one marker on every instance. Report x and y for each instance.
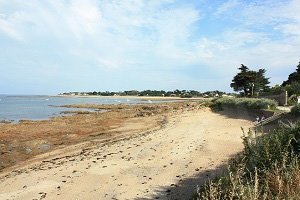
(130, 152)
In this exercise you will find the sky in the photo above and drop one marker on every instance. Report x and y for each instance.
(53, 46)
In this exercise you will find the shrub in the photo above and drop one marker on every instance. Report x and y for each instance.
(296, 110)
(186, 95)
(269, 168)
(250, 103)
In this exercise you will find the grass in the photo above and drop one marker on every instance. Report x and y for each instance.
(249, 103)
(296, 110)
(268, 168)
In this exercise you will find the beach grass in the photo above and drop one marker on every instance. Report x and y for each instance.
(249, 103)
(296, 110)
(268, 168)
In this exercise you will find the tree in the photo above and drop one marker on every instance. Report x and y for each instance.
(242, 81)
(249, 81)
(293, 88)
(293, 77)
(261, 82)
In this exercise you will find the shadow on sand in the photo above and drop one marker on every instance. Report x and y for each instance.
(243, 113)
(186, 188)
(252, 115)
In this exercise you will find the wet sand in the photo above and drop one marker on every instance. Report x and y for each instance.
(153, 163)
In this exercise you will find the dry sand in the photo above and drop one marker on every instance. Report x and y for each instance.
(162, 164)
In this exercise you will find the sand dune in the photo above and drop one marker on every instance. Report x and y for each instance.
(163, 164)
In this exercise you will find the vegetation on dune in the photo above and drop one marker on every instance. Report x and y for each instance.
(250, 103)
(291, 85)
(293, 77)
(268, 168)
(254, 83)
(296, 110)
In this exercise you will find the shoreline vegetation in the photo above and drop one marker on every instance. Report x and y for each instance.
(248, 103)
(268, 168)
(153, 98)
(149, 93)
(269, 165)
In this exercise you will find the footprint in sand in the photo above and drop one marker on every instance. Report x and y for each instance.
(43, 195)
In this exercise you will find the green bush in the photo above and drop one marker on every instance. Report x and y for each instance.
(269, 168)
(186, 96)
(250, 103)
(296, 110)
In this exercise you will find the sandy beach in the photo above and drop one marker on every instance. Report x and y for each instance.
(157, 155)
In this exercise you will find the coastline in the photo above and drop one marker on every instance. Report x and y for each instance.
(154, 98)
(144, 147)
(15, 108)
(28, 138)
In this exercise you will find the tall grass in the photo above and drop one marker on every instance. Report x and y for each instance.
(296, 110)
(250, 103)
(268, 168)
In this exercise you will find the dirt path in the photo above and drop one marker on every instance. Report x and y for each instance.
(165, 164)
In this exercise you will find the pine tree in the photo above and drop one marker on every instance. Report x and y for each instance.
(249, 81)
(261, 82)
(293, 77)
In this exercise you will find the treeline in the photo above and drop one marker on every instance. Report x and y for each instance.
(175, 93)
(291, 85)
(251, 83)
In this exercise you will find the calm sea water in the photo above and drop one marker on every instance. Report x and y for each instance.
(39, 107)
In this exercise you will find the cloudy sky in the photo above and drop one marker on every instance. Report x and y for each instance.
(52, 46)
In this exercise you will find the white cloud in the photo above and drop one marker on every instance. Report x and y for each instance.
(84, 16)
(9, 29)
(226, 6)
(111, 30)
(154, 35)
(266, 35)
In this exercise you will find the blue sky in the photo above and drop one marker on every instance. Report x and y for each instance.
(54, 46)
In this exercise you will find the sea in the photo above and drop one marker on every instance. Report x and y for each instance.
(36, 107)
